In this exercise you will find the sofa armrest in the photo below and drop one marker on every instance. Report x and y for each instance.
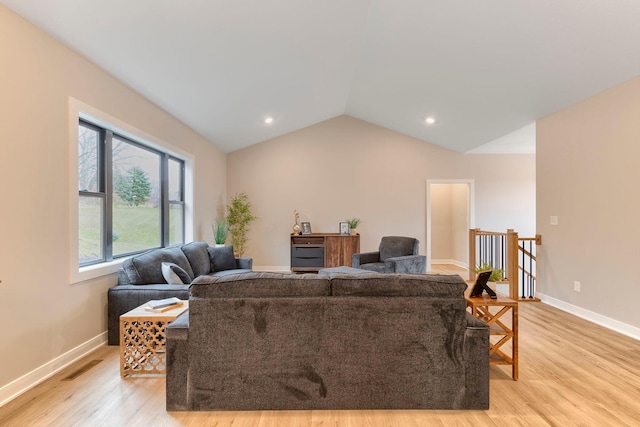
(364, 258)
(123, 279)
(177, 333)
(410, 264)
(476, 356)
(244, 263)
(179, 328)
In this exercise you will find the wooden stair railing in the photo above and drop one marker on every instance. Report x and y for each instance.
(516, 256)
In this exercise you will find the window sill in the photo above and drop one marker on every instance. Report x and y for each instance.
(94, 271)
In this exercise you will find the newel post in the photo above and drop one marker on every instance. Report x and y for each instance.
(473, 232)
(512, 263)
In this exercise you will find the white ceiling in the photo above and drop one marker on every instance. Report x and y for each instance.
(483, 69)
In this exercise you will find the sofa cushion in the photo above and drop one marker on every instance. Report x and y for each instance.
(174, 274)
(260, 285)
(230, 272)
(391, 247)
(222, 258)
(378, 267)
(146, 268)
(198, 256)
(402, 285)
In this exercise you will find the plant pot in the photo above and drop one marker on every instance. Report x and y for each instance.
(354, 232)
(219, 245)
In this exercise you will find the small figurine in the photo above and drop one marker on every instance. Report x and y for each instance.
(296, 226)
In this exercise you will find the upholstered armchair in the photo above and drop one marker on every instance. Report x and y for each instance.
(395, 255)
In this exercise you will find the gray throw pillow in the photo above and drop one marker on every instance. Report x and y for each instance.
(174, 274)
(196, 253)
(146, 268)
(222, 258)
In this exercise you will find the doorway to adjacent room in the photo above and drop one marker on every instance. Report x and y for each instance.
(449, 216)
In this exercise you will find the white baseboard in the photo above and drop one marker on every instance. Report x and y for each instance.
(450, 261)
(599, 319)
(38, 375)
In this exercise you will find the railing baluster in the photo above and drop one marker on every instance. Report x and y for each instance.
(530, 269)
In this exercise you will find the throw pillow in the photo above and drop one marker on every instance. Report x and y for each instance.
(222, 258)
(146, 268)
(174, 274)
(196, 253)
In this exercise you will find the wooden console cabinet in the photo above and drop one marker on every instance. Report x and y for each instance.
(313, 252)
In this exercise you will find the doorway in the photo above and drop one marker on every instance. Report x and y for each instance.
(450, 215)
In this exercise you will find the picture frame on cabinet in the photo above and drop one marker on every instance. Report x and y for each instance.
(344, 228)
(306, 227)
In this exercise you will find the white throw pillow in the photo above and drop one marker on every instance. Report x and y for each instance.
(174, 274)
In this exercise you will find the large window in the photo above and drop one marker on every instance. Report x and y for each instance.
(131, 196)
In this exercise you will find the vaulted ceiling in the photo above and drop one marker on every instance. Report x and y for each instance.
(481, 69)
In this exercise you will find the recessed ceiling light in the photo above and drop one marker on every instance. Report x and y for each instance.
(430, 120)
(268, 120)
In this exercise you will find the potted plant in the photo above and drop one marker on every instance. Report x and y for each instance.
(497, 274)
(239, 216)
(353, 224)
(220, 230)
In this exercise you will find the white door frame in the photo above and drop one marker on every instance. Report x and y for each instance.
(472, 219)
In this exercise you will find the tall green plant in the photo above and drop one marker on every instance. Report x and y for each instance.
(239, 216)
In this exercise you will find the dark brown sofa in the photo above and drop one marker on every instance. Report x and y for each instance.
(266, 341)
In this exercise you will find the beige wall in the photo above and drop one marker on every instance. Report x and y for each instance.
(42, 315)
(347, 167)
(587, 167)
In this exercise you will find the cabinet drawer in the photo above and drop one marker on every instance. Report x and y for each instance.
(306, 240)
(307, 251)
(307, 262)
(307, 256)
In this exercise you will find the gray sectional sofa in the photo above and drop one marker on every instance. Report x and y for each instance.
(268, 341)
(142, 278)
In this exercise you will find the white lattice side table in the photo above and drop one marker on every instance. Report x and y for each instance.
(143, 340)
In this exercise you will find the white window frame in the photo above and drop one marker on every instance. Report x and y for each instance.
(79, 110)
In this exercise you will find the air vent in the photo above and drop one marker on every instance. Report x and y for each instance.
(81, 371)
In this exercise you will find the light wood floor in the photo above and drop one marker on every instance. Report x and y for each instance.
(572, 373)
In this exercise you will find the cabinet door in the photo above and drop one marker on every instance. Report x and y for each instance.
(338, 250)
(350, 246)
(333, 252)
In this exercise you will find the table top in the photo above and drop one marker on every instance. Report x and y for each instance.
(486, 300)
(142, 312)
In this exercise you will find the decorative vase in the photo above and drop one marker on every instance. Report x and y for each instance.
(296, 226)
